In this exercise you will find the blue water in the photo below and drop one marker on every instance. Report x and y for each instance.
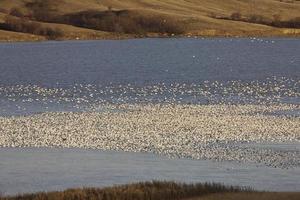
(32, 170)
(130, 71)
(76, 70)
(147, 61)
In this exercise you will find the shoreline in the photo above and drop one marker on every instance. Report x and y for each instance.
(36, 38)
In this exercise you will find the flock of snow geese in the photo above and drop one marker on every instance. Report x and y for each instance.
(209, 120)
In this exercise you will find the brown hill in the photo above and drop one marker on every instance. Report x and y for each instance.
(101, 19)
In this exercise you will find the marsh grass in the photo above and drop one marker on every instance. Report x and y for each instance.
(154, 190)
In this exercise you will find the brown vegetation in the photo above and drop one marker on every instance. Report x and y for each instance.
(42, 10)
(16, 12)
(251, 196)
(16, 36)
(123, 21)
(26, 26)
(259, 19)
(3, 10)
(160, 191)
(141, 191)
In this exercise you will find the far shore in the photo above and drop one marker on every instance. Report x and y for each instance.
(9, 36)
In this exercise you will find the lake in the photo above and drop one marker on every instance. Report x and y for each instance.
(147, 61)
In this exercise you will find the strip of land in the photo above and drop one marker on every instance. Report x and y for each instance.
(35, 20)
(160, 190)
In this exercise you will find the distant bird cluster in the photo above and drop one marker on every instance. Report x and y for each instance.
(210, 120)
(80, 97)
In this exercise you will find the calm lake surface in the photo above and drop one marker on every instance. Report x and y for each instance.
(43, 169)
(147, 61)
(72, 76)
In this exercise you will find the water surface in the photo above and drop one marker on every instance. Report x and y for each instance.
(147, 61)
(41, 169)
(82, 76)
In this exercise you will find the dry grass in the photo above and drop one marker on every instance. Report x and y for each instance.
(199, 17)
(140, 191)
(26, 26)
(123, 21)
(20, 37)
(160, 191)
(276, 21)
(251, 196)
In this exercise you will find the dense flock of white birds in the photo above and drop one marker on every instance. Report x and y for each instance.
(209, 120)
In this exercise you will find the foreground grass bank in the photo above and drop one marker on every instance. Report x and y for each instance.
(158, 191)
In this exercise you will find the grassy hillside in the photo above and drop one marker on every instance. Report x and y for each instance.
(140, 18)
